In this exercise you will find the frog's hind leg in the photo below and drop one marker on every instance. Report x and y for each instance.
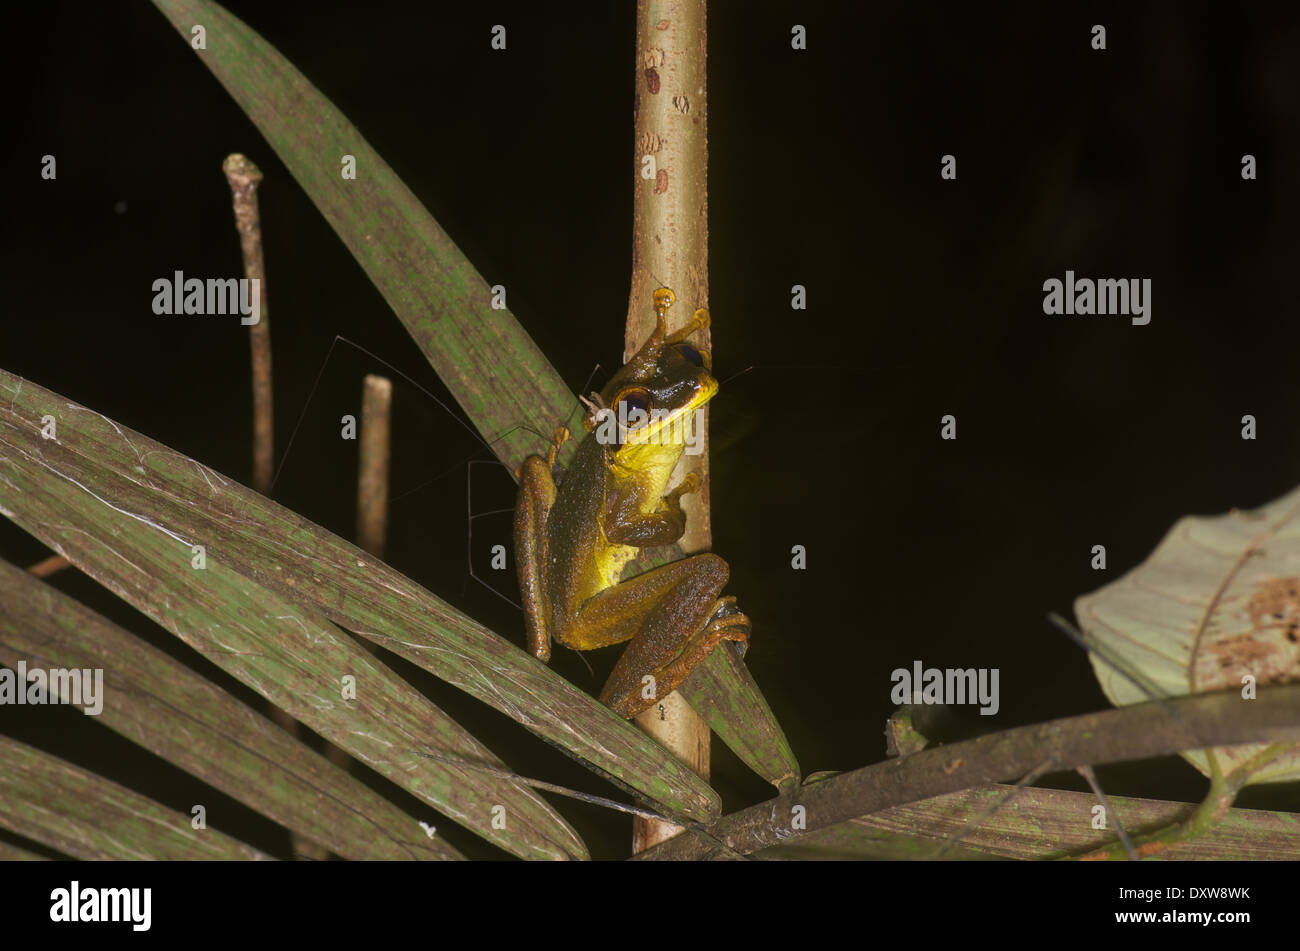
(727, 623)
(673, 618)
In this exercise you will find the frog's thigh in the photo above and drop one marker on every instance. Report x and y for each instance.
(619, 613)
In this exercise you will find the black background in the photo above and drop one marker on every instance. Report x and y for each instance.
(924, 298)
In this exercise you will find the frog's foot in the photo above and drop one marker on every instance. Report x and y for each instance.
(699, 321)
(558, 439)
(732, 623)
(688, 485)
(726, 623)
(734, 628)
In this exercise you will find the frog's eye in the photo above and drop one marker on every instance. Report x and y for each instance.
(635, 398)
(691, 354)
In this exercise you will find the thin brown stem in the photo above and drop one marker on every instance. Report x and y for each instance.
(670, 249)
(372, 482)
(1128, 733)
(244, 177)
(372, 492)
(48, 566)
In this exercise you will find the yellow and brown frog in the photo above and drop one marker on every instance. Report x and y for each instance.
(573, 539)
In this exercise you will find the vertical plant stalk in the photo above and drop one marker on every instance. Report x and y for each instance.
(372, 492)
(670, 248)
(372, 481)
(244, 177)
(685, 734)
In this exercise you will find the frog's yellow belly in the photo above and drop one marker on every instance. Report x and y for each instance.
(605, 566)
(609, 564)
(644, 470)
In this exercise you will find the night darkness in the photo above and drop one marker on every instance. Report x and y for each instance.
(924, 299)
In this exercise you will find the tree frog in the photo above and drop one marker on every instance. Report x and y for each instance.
(573, 539)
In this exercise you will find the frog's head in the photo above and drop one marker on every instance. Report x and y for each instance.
(652, 398)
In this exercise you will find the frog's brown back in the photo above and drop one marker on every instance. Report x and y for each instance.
(573, 538)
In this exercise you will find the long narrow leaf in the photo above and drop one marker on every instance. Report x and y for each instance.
(53, 802)
(108, 499)
(12, 853)
(1040, 824)
(127, 510)
(722, 691)
(169, 710)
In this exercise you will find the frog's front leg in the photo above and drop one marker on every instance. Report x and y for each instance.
(536, 497)
(627, 525)
(674, 619)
